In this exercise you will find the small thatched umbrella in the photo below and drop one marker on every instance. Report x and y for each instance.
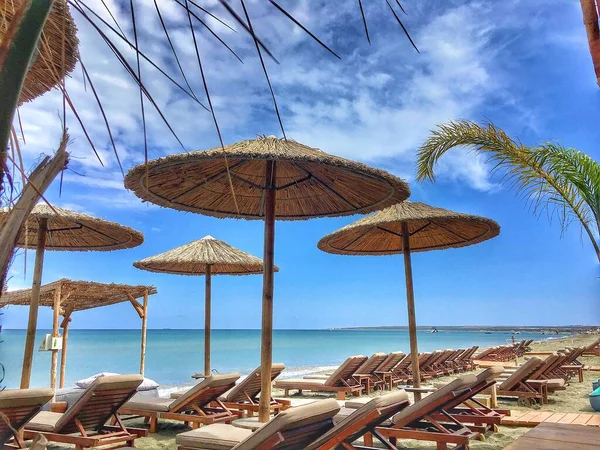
(207, 256)
(404, 228)
(61, 229)
(57, 49)
(266, 178)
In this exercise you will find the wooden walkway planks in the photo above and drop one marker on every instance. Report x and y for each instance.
(533, 418)
(557, 436)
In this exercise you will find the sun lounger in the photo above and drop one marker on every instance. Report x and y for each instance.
(193, 406)
(17, 407)
(385, 370)
(294, 428)
(340, 381)
(244, 396)
(519, 383)
(362, 422)
(84, 424)
(417, 421)
(593, 349)
(466, 358)
(366, 375)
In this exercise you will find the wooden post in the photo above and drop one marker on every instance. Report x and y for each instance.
(410, 303)
(55, 333)
(267, 300)
(63, 354)
(207, 314)
(144, 321)
(35, 301)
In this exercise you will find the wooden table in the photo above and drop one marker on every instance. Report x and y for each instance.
(558, 436)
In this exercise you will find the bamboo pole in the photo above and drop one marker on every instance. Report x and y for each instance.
(34, 305)
(55, 333)
(207, 313)
(410, 303)
(266, 355)
(144, 321)
(63, 353)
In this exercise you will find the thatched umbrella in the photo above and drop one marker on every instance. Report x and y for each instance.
(265, 178)
(57, 49)
(207, 256)
(61, 229)
(404, 228)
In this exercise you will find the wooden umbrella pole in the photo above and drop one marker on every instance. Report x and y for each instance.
(410, 302)
(35, 301)
(267, 300)
(55, 333)
(63, 354)
(207, 314)
(143, 343)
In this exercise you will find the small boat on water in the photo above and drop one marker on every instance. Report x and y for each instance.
(434, 330)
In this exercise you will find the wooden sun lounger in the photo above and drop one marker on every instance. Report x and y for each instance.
(593, 349)
(198, 406)
(294, 428)
(385, 371)
(17, 407)
(519, 384)
(465, 360)
(244, 396)
(366, 375)
(362, 422)
(340, 381)
(84, 424)
(417, 421)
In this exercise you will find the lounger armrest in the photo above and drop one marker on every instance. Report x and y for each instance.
(424, 390)
(537, 382)
(361, 375)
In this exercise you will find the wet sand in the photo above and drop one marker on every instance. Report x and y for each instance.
(573, 399)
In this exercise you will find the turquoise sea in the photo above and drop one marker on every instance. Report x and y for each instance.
(173, 355)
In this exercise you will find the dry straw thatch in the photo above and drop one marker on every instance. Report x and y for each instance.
(79, 295)
(430, 228)
(192, 259)
(310, 183)
(57, 52)
(72, 231)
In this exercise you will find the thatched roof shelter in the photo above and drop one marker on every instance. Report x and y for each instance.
(590, 20)
(72, 231)
(207, 256)
(308, 183)
(404, 228)
(195, 257)
(78, 295)
(430, 228)
(266, 178)
(67, 296)
(57, 54)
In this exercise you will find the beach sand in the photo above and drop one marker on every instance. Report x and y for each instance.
(574, 399)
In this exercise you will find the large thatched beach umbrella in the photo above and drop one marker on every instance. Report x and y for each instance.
(207, 256)
(404, 228)
(53, 228)
(267, 179)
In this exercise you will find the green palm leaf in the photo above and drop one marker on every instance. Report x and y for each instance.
(550, 176)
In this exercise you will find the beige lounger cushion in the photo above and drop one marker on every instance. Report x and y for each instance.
(424, 405)
(358, 414)
(12, 398)
(555, 383)
(217, 436)
(44, 421)
(357, 402)
(146, 403)
(521, 373)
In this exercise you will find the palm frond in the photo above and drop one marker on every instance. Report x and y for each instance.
(564, 182)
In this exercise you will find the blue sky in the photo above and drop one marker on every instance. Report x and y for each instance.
(524, 65)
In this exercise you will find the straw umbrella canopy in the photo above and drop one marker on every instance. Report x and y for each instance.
(57, 50)
(60, 229)
(404, 228)
(266, 178)
(207, 256)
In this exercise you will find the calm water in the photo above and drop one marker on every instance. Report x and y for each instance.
(173, 355)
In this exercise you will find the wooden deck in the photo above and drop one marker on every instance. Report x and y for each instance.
(557, 436)
(533, 418)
